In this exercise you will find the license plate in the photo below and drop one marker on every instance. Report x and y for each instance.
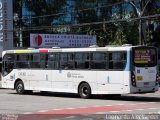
(139, 78)
(146, 84)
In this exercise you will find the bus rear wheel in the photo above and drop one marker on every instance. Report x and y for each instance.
(84, 90)
(20, 87)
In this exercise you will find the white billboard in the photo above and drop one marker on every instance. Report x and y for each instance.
(62, 40)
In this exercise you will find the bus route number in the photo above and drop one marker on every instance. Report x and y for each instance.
(22, 73)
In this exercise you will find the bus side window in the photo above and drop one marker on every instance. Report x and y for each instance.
(43, 61)
(35, 61)
(78, 61)
(53, 61)
(8, 63)
(117, 60)
(82, 60)
(22, 61)
(63, 61)
(98, 60)
(70, 61)
(87, 60)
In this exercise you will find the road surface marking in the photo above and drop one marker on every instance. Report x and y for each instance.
(70, 112)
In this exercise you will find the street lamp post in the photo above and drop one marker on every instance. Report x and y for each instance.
(139, 14)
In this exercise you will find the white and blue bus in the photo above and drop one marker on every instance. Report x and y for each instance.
(86, 71)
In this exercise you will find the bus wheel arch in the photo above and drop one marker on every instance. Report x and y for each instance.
(19, 86)
(84, 90)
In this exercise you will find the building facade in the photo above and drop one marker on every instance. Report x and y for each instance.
(6, 25)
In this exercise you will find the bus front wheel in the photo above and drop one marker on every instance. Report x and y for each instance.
(20, 87)
(84, 90)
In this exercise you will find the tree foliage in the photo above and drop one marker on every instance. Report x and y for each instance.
(113, 21)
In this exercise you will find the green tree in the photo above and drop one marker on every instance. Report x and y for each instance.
(113, 21)
(39, 13)
(148, 8)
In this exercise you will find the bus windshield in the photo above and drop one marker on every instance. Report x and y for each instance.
(144, 56)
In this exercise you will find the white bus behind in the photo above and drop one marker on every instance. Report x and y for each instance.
(86, 71)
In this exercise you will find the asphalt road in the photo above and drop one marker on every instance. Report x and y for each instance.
(52, 106)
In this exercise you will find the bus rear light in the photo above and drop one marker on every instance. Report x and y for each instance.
(157, 79)
(133, 79)
(134, 84)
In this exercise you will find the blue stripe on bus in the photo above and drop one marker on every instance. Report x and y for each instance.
(46, 77)
(35, 51)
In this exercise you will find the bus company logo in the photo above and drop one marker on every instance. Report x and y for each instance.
(37, 40)
(68, 74)
(151, 71)
(138, 71)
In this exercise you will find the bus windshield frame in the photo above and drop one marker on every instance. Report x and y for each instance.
(144, 56)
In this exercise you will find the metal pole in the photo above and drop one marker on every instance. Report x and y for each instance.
(140, 32)
(139, 14)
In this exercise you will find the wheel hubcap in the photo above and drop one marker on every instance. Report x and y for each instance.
(85, 91)
(20, 88)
